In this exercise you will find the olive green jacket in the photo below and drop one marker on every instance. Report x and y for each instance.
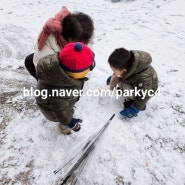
(57, 106)
(140, 75)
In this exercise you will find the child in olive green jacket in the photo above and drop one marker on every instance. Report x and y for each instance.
(63, 72)
(133, 68)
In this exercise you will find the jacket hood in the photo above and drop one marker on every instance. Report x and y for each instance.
(49, 71)
(141, 61)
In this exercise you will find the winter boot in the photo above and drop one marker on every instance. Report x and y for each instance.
(64, 129)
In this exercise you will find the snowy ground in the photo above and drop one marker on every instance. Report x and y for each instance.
(147, 150)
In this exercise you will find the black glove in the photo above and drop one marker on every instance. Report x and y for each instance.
(108, 80)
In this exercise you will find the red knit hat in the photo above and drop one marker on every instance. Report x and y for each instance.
(76, 59)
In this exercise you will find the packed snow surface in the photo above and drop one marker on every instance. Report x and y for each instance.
(146, 150)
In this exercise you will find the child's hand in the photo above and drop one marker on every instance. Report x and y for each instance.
(130, 112)
(108, 80)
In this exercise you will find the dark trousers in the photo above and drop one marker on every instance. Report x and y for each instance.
(30, 65)
(128, 103)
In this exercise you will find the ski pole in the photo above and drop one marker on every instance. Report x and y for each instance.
(89, 147)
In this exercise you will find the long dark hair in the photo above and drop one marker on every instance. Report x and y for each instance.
(78, 27)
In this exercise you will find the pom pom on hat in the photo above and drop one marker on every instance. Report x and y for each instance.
(76, 59)
(78, 46)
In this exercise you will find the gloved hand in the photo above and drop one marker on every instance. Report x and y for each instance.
(74, 124)
(130, 112)
(108, 80)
